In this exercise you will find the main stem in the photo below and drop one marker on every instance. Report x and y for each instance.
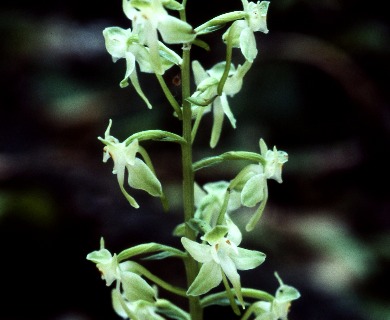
(188, 180)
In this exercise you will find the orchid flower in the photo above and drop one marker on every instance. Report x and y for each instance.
(274, 161)
(207, 87)
(150, 16)
(107, 264)
(277, 309)
(124, 43)
(140, 176)
(209, 201)
(252, 180)
(221, 256)
(242, 31)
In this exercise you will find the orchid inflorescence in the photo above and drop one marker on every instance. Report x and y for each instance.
(210, 238)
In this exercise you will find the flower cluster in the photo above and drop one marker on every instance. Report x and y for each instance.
(211, 239)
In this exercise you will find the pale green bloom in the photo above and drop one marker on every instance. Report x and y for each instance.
(251, 181)
(274, 161)
(277, 309)
(140, 176)
(207, 87)
(210, 198)
(221, 255)
(241, 32)
(107, 264)
(150, 16)
(124, 43)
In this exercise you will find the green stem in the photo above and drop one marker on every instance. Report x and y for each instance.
(159, 135)
(229, 49)
(246, 292)
(220, 20)
(147, 248)
(230, 295)
(175, 310)
(223, 210)
(169, 95)
(137, 268)
(231, 155)
(248, 312)
(191, 265)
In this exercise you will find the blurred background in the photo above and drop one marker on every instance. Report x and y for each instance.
(318, 90)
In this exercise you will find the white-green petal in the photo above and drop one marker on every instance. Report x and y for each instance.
(234, 234)
(248, 259)
(141, 177)
(286, 294)
(100, 256)
(218, 115)
(208, 278)
(248, 44)
(229, 268)
(130, 68)
(169, 55)
(253, 191)
(117, 305)
(200, 252)
(174, 30)
(226, 109)
(199, 72)
(142, 56)
(136, 288)
(116, 41)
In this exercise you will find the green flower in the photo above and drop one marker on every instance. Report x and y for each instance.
(221, 255)
(140, 176)
(242, 31)
(107, 264)
(207, 87)
(251, 181)
(122, 43)
(209, 201)
(274, 161)
(277, 309)
(150, 16)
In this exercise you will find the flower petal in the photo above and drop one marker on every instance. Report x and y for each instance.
(208, 278)
(136, 288)
(248, 44)
(200, 252)
(229, 268)
(141, 177)
(253, 191)
(218, 116)
(174, 30)
(248, 259)
(116, 41)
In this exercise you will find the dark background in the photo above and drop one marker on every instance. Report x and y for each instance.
(318, 90)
